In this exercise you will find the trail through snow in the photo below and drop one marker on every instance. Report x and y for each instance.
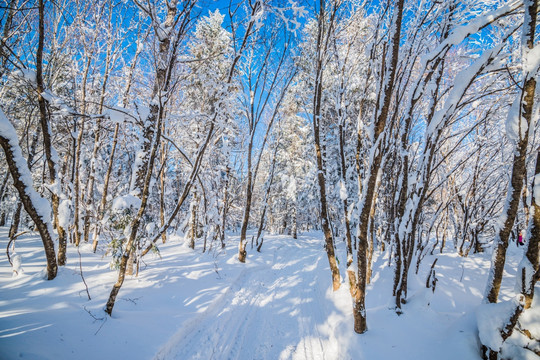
(188, 305)
(281, 303)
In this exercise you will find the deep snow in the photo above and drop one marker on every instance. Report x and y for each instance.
(279, 305)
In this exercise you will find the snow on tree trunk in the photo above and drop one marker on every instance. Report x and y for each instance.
(193, 220)
(344, 197)
(376, 132)
(97, 143)
(102, 204)
(225, 206)
(528, 267)
(17, 216)
(196, 165)
(50, 153)
(322, 44)
(242, 252)
(37, 207)
(520, 118)
(259, 100)
(496, 323)
(144, 162)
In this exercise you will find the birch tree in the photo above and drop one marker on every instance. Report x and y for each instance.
(37, 207)
(518, 128)
(376, 133)
(325, 23)
(50, 152)
(168, 35)
(268, 79)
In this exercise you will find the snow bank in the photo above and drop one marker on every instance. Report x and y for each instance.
(517, 352)
(519, 345)
(530, 320)
(531, 60)
(492, 318)
(279, 305)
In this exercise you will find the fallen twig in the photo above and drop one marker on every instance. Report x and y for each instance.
(82, 276)
(102, 319)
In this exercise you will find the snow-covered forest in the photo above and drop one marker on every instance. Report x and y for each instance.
(269, 179)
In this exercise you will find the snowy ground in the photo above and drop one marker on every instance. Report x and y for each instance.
(279, 305)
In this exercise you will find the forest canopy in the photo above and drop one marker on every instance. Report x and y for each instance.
(406, 127)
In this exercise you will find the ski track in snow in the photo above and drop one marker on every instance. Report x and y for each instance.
(279, 303)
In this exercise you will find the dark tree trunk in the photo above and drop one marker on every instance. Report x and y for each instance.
(294, 221)
(19, 170)
(47, 136)
(359, 308)
(193, 221)
(518, 166)
(242, 252)
(317, 105)
(528, 279)
(3, 188)
(30, 160)
(4, 53)
(225, 206)
(348, 235)
(14, 228)
(103, 202)
(162, 192)
(151, 132)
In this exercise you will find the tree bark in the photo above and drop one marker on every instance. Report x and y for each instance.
(345, 202)
(14, 228)
(162, 192)
(317, 106)
(530, 265)
(3, 187)
(50, 154)
(254, 117)
(103, 202)
(152, 131)
(526, 98)
(242, 253)
(4, 54)
(33, 203)
(359, 310)
(76, 186)
(225, 206)
(200, 154)
(97, 136)
(193, 221)
(17, 216)
(134, 227)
